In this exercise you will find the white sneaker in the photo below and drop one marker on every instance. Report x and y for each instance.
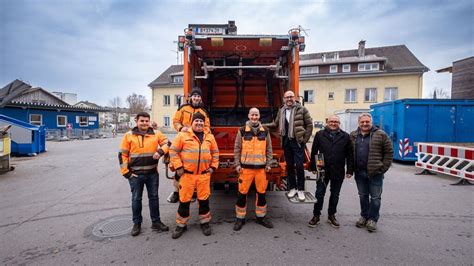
(292, 193)
(301, 196)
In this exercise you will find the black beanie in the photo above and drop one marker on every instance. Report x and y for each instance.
(196, 90)
(198, 115)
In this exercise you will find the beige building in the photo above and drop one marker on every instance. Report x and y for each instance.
(356, 79)
(329, 81)
(167, 93)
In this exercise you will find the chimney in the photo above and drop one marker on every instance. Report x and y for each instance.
(231, 28)
(362, 48)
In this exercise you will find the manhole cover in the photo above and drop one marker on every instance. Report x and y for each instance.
(113, 227)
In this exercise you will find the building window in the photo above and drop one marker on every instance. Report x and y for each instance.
(309, 70)
(166, 121)
(351, 96)
(368, 67)
(177, 100)
(370, 95)
(333, 69)
(346, 68)
(61, 120)
(391, 94)
(331, 95)
(178, 79)
(36, 120)
(83, 121)
(309, 96)
(166, 100)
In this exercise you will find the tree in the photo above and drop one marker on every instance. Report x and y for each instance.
(136, 103)
(115, 104)
(439, 93)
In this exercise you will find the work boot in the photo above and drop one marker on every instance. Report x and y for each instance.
(292, 193)
(206, 229)
(314, 221)
(159, 227)
(265, 222)
(362, 222)
(178, 232)
(174, 197)
(333, 221)
(371, 226)
(238, 224)
(136, 229)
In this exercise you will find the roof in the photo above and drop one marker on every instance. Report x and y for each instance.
(398, 58)
(88, 104)
(17, 88)
(166, 77)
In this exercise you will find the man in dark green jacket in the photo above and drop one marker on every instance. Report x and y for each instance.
(295, 126)
(373, 154)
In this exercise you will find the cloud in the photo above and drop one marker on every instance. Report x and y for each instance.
(103, 49)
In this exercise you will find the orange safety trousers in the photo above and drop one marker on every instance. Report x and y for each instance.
(247, 176)
(188, 183)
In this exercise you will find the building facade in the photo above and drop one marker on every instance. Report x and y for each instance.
(167, 96)
(355, 79)
(41, 108)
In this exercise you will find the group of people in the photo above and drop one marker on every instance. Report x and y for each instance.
(194, 155)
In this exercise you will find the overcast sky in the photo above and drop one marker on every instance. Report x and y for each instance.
(103, 49)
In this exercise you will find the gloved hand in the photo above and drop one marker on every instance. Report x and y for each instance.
(156, 156)
(180, 171)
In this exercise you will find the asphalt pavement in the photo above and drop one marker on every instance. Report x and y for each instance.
(64, 206)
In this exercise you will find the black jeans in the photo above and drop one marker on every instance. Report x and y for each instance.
(333, 198)
(294, 157)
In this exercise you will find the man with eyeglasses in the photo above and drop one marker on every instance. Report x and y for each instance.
(373, 152)
(335, 146)
(295, 127)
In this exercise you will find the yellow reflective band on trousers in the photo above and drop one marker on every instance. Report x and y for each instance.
(182, 221)
(260, 211)
(205, 218)
(254, 148)
(240, 212)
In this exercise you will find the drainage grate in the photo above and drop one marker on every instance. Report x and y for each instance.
(113, 227)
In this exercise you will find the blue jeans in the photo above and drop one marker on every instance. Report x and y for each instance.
(333, 198)
(294, 157)
(370, 192)
(136, 185)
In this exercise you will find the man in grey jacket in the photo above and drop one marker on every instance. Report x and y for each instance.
(295, 127)
(373, 153)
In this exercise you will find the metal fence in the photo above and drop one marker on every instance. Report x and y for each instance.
(71, 134)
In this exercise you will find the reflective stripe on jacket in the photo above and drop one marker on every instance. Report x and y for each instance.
(137, 149)
(183, 117)
(194, 156)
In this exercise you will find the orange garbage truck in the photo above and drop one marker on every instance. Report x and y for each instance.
(235, 73)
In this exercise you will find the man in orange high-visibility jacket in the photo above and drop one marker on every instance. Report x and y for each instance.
(182, 122)
(195, 156)
(140, 150)
(252, 157)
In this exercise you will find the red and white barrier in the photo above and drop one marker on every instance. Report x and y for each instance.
(446, 159)
(403, 147)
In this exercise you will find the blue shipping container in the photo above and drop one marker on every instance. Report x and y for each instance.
(409, 121)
